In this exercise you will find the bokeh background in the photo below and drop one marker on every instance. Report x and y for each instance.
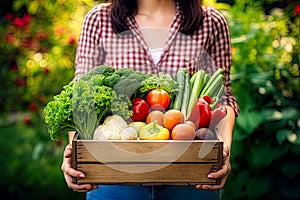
(38, 40)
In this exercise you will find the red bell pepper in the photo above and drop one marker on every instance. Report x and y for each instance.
(140, 109)
(217, 115)
(201, 112)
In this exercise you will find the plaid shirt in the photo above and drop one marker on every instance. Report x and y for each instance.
(207, 48)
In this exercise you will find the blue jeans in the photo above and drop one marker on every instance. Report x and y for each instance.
(113, 192)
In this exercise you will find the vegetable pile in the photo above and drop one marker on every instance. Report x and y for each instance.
(85, 103)
(122, 104)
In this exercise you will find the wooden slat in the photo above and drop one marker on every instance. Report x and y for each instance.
(147, 162)
(174, 174)
(141, 151)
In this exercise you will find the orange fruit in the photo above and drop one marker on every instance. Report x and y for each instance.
(191, 124)
(155, 115)
(183, 132)
(172, 118)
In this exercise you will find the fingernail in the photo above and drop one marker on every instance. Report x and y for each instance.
(81, 175)
(205, 187)
(210, 176)
(224, 154)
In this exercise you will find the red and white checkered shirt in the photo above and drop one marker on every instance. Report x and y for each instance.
(207, 48)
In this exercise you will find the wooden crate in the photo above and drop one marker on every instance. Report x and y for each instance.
(141, 162)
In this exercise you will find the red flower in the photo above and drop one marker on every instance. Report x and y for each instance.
(26, 19)
(18, 22)
(22, 22)
(46, 70)
(33, 107)
(20, 81)
(71, 40)
(297, 9)
(27, 120)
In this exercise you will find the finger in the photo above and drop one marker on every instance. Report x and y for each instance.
(225, 170)
(219, 174)
(68, 151)
(72, 172)
(225, 151)
(212, 187)
(67, 169)
(79, 188)
(199, 186)
(93, 187)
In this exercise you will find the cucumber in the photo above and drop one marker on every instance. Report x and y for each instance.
(211, 80)
(214, 86)
(192, 80)
(218, 96)
(186, 95)
(197, 87)
(180, 78)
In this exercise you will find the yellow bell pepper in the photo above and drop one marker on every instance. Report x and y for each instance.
(154, 131)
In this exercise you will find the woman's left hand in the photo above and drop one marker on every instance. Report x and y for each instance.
(222, 173)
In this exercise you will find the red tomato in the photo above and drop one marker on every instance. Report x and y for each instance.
(158, 99)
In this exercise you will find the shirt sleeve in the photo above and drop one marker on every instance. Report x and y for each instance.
(88, 53)
(221, 54)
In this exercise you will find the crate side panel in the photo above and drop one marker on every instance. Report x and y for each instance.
(176, 174)
(108, 152)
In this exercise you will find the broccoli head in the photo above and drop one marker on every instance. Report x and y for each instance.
(124, 72)
(111, 80)
(128, 85)
(105, 70)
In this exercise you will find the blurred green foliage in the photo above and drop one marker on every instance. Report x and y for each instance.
(37, 44)
(265, 79)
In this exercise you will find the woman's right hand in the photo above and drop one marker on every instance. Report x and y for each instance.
(69, 173)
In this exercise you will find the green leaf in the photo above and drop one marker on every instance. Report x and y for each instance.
(249, 121)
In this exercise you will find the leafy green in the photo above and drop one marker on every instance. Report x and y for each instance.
(83, 104)
(159, 81)
(58, 113)
(91, 104)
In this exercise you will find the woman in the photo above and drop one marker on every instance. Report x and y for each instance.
(153, 36)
